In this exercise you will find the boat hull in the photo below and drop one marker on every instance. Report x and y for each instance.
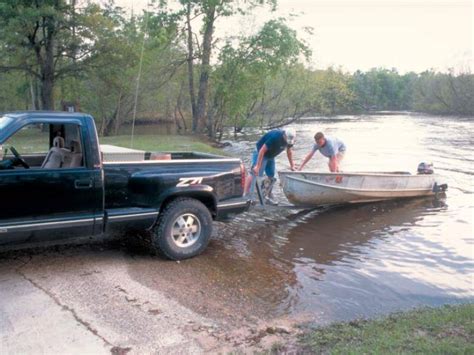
(315, 189)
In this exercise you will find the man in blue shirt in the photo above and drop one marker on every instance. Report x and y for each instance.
(268, 147)
(332, 148)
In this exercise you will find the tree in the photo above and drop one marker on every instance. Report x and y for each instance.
(382, 89)
(444, 93)
(207, 12)
(51, 39)
(14, 91)
(242, 87)
(109, 85)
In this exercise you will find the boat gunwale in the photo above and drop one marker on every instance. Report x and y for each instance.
(389, 174)
(354, 189)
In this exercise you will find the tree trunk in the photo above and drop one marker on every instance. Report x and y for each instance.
(191, 69)
(210, 124)
(205, 69)
(47, 82)
(178, 107)
(47, 86)
(47, 69)
(37, 96)
(118, 122)
(32, 93)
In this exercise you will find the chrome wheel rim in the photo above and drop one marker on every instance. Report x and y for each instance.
(186, 230)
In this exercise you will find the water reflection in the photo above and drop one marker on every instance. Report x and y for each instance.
(368, 259)
(338, 231)
(334, 260)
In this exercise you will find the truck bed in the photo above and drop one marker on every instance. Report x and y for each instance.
(115, 154)
(145, 182)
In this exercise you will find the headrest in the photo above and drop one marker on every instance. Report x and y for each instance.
(58, 142)
(75, 146)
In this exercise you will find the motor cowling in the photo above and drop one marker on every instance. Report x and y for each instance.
(425, 168)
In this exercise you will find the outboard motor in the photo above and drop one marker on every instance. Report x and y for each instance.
(425, 168)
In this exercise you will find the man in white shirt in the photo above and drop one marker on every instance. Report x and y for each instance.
(332, 148)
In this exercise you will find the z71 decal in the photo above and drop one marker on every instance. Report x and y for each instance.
(183, 182)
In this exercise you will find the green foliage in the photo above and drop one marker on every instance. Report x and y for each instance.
(107, 89)
(332, 92)
(14, 91)
(382, 89)
(247, 81)
(53, 40)
(431, 92)
(444, 93)
(274, 46)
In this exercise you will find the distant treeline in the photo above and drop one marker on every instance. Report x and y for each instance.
(93, 55)
(430, 92)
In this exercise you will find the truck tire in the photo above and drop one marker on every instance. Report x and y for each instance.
(183, 230)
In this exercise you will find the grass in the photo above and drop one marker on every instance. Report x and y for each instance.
(35, 141)
(29, 141)
(163, 143)
(445, 330)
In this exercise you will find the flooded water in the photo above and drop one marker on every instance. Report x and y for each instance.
(361, 260)
(345, 262)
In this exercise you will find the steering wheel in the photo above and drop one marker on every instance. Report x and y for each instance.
(19, 158)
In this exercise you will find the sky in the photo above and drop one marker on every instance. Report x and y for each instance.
(410, 35)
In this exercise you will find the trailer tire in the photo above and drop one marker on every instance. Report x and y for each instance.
(183, 229)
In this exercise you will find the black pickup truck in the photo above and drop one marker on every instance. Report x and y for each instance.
(55, 184)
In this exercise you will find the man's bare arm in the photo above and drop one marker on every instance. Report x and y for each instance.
(306, 159)
(289, 153)
(261, 154)
(333, 164)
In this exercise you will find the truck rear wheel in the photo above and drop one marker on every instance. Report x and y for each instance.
(183, 229)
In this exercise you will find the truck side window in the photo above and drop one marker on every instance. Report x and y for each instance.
(26, 148)
(46, 146)
(31, 139)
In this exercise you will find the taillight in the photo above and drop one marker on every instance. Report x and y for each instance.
(100, 164)
(243, 175)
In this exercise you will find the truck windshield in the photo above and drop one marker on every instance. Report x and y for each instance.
(4, 121)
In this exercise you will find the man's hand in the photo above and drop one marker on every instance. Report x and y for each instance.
(256, 169)
(293, 167)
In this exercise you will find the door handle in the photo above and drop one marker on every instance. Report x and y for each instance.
(83, 184)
